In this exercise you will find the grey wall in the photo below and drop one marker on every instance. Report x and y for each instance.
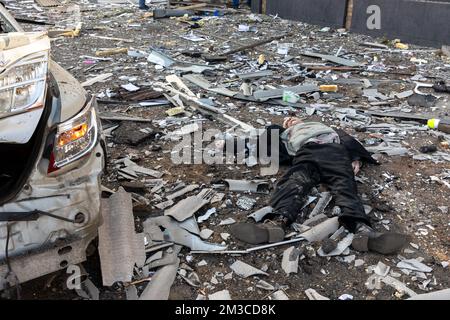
(423, 22)
(419, 22)
(257, 6)
(321, 12)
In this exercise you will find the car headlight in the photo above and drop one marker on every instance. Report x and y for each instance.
(75, 138)
(22, 86)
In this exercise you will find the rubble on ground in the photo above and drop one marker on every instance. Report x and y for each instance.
(158, 80)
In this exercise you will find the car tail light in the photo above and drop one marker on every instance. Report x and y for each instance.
(75, 138)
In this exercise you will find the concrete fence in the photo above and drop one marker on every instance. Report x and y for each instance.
(422, 22)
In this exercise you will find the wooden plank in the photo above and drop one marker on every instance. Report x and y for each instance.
(349, 15)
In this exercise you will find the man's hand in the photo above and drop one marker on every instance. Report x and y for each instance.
(356, 166)
(291, 121)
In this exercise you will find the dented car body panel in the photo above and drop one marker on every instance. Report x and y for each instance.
(50, 187)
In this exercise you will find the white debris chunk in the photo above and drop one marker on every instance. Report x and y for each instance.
(220, 295)
(227, 222)
(340, 248)
(130, 87)
(413, 264)
(415, 246)
(206, 215)
(279, 295)
(228, 276)
(381, 269)
(314, 295)
(265, 285)
(245, 270)
(436, 295)
(225, 236)
(289, 262)
(349, 259)
(359, 263)
(398, 285)
(202, 263)
(206, 233)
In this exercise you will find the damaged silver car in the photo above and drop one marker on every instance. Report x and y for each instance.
(52, 155)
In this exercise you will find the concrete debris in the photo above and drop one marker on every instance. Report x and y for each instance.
(170, 256)
(205, 234)
(381, 269)
(162, 280)
(337, 60)
(184, 238)
(374, 95)
(192, 279)
(289, 262)
(323, 202)
(156, 256)
(133, 168)
(206, 216)
(99, 78)
(228, 276)
(436, 295)
(88, 290)
(322, 230)
(265, 285)
(246, 186)
(183, 191)
(245, 270)
(413, 264)
(261, 213)
(190, 225)
(227, 221)
(214, 74)
(220, 295)
(264, 95)
(166, 222)
(279, 295)
(186, 208)
(245, 203)
(397, 285)
(314, 295)
(349, 259)
(341, 247)
(202, 263)
(224, 236)
(120, 248)
(255, 75)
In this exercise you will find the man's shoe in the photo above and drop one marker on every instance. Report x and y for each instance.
(367, 239)
(257, 233)
(144, 7)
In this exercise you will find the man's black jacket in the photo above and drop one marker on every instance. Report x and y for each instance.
(355, 149)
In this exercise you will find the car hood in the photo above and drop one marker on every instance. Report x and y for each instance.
(73, 95)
